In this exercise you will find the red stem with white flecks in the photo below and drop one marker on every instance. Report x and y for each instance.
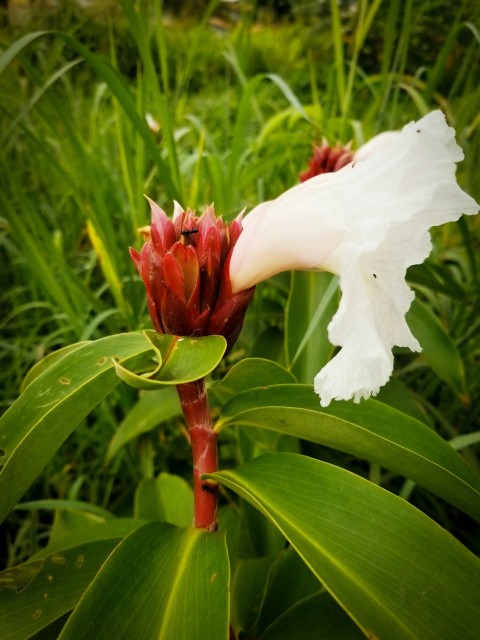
(194, 402)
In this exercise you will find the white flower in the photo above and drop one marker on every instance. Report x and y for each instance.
(367, 223)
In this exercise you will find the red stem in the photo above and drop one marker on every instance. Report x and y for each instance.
(194, 401)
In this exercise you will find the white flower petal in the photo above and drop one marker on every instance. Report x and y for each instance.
(368, 223)
(272, 242)
(382, 141)
(353, 374)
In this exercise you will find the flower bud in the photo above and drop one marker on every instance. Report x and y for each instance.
(326, 159)
(184, 264)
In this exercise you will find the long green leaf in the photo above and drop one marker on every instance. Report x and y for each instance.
(283, 593)
(250, 373)
(152, 408)
(397, 573)
(311, 304)
(42, 365)
(59, 504)
(168, 498)
(52, 406)
(317, 616)
(370, 430)
(438, 349)
(35, 594)
(160, 583)
(17, 47)
(74, 528)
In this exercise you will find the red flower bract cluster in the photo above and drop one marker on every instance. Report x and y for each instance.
(184, 264)
(326, 159)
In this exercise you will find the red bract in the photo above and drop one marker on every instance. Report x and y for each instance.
(326, 159)
(184, 264)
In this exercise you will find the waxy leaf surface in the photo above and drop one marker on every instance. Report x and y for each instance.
(370, 430)
(250, 373)
(398, 574)
(34, 594)
(161, 583)
(53, 404)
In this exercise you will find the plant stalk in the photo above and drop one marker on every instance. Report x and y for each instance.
(194, 402)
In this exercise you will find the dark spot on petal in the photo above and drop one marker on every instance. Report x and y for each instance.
(374, 275)
(418, 130)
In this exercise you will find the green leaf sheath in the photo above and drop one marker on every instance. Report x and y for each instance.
(397, 573)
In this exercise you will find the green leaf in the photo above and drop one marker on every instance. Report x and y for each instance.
(55, 504)
(248, 591)
(284, 593)
(436, 277)
(312, 301)
(161, 582)
(370, 430)
(17, 47)
(50, 408)
(74, 528)
(397, 395)
(177, 360)
(250, 373)
(396, 572)
(46, 362)
(35, 594)
(153, 408)
(317, 616)
(167, 497)
(437, 347)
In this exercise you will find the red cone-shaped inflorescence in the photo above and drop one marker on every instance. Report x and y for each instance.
(326, 159)
(184, 264)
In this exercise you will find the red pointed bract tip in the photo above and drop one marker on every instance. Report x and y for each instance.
(326, 159)
(184, 264)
